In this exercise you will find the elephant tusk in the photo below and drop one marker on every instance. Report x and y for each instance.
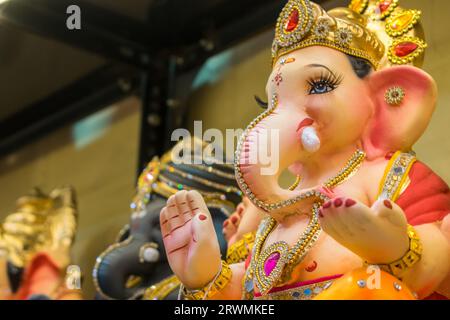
(310, 139)
(149, 253)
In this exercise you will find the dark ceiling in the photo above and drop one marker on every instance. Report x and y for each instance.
(50, 75)
(33, 67)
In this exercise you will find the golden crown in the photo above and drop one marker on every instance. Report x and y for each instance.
(379, 31)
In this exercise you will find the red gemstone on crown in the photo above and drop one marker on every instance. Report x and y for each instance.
(384, 5)
(405, 48)
(292, 22)
(271, 263)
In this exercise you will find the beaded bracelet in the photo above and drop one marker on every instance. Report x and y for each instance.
(211, 289)
(409, 259)
(240, 250)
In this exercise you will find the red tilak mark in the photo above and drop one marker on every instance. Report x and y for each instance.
(174, 250)
(326, 205)
(225, 223)
(278, 79)
(387, 204)
(234, 219)
(311, 267)
(338, 202)
(306, 122)
(350, 203)
(202, 217)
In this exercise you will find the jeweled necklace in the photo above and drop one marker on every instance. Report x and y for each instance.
(276, 262)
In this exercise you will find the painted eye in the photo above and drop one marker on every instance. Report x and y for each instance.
(327, 82)
(321, 87)
(260, 102)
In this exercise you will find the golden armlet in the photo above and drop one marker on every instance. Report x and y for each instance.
(212, 288)
(240, 250)
(409, 259)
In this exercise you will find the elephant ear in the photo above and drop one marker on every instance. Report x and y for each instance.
(394, 128)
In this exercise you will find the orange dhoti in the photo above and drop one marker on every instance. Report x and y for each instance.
(367, 284)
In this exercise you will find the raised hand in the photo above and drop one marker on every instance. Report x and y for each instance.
(190, 240)
(377, 234)
(231, 225)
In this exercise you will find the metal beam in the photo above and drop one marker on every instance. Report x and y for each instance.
(153, 92)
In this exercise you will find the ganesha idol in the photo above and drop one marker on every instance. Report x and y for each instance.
(135, 266)
(366, 219)
(35, 247)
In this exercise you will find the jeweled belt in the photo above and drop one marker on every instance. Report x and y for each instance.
(305, 290)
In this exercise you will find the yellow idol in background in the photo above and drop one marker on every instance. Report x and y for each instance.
(35, 244)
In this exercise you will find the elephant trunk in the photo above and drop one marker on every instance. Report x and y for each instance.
(264, 154)
(115, 266)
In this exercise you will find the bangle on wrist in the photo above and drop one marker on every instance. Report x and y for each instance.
(409, 259)
(219, 282)
(240, 250)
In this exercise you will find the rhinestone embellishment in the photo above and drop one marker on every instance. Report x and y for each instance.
(361, 283)
(270, 265)
(405, 50)
(400, 23)
(294, 22)
(397, 286)
(359, 6)
(384, 8)
(343, 37)
(395, 177)
(394, 96)
(322, 29)
(275, 263)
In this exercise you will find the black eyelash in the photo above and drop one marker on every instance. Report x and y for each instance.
(327, 78)
(261, 103)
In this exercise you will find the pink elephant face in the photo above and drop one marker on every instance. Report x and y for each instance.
(322, 109)
(321, 87)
